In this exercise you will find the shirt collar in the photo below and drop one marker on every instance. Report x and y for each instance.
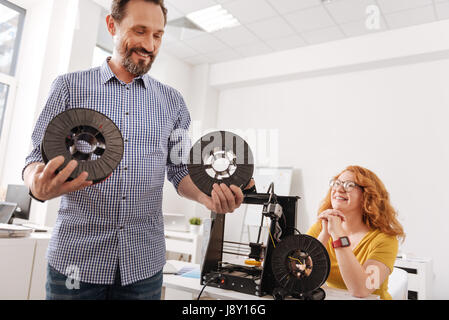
(107, 74)
(145, 80)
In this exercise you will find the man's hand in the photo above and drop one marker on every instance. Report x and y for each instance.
(45, 184)
(223, 199)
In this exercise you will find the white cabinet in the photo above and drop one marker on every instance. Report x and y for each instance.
(23, 267)
(184, 242)
(23, 264)
(420, 276)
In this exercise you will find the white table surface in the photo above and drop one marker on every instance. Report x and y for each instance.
(193, 286)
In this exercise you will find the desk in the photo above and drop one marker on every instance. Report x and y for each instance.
(194, 287)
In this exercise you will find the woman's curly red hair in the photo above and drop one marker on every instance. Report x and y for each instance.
(378, 212)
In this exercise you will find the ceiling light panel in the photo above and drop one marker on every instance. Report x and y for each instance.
(213, 19)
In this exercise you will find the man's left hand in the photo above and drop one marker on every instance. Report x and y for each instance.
(225, 199)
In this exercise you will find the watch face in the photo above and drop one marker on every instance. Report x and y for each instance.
(344, 242)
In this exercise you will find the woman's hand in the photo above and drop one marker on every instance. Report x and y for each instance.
(334, 227)
(331, 220)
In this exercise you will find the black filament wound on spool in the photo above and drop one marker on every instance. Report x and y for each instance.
(220, 157)
(87, 136)
(300, 264)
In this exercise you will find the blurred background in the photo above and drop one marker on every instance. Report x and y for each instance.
(312, 85)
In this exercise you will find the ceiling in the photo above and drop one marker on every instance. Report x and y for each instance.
(276, 25)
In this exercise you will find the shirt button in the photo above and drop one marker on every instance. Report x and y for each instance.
(126, 140)
(123, 198)
(127, 113)
(125, 168)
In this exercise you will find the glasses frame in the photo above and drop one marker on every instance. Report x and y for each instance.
(344, 184)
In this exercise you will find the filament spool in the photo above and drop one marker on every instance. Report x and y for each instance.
(220, 157)
(300, 264)
(87, 136)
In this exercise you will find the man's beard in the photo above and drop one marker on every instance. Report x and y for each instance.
(141, 67)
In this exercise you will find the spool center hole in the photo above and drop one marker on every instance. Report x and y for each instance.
(221, 165)
(85, 143)
(300, 264)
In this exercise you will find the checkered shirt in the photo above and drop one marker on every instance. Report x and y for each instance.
(119, 222)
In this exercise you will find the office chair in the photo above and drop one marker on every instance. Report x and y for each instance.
(398, 284)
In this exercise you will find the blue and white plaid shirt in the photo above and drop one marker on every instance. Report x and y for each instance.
(118, 222)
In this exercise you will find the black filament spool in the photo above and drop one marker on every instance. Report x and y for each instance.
(220, 157)
(87, 136)
(297, 252)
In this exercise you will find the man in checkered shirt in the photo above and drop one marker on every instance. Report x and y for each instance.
(108, 241)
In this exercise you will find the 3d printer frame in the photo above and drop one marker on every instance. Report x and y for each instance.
(255, 280)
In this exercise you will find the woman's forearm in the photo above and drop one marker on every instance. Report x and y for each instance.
(323, 237)
(352, 272)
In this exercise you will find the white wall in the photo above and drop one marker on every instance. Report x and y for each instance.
(176, 74)
(391, 119)
(85, 34)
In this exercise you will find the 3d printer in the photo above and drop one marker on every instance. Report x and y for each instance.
(290, 264)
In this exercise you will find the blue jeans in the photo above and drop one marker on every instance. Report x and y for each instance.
(57, 288)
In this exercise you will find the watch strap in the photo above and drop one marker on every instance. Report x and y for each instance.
(32, 196)
(341, 242)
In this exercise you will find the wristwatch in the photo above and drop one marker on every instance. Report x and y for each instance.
(32, 196)
(341, 242)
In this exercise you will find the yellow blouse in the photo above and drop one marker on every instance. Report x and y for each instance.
(375, 245)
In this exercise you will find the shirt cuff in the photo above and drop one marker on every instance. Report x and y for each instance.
(177, 178)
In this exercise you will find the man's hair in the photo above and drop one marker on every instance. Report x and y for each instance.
(118, 9)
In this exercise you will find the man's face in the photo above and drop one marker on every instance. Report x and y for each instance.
(138, 36)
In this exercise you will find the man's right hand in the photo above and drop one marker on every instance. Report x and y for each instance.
(45, 184)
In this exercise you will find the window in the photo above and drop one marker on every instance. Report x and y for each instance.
(11, 25)
(3, 96)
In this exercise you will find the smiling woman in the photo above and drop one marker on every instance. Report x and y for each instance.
(359, 228)
(377, 211)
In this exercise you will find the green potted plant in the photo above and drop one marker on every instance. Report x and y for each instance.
(195, 224)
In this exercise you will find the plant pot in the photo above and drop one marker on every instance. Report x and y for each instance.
(195, 229)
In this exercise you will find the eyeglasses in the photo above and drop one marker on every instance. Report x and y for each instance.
(347, 185)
